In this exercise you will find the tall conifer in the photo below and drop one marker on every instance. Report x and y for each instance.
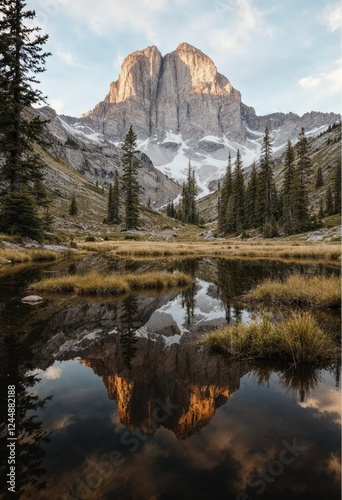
(21, 59)
(129, 180)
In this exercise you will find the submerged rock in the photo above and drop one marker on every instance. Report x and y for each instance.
(32, 299)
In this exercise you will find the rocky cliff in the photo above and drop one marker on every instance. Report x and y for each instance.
(182, 108)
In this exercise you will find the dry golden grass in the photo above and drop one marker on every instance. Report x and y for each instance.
(226, 249)
(27, 255)
(95, 283)
(300, 290)
(297, 339)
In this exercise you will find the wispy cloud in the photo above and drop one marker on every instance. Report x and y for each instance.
(331, 16)
(327, 83)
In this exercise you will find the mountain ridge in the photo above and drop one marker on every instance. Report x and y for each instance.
(182, 109)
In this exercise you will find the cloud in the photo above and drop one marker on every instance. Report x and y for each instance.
(57, 104)
(248, 21)
(325, 83)
(66, 57)
(331, 16)
(52, 373)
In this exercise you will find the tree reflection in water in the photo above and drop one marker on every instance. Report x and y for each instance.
(298, 380)
(30, 433)
(130, 322)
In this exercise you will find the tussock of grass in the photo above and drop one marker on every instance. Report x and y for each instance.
(297, 339)
(299, 290)
(27, 255)
(115, 284)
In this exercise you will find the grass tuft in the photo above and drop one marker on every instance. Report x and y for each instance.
(299, 290)
(297, 339)
(95, 283)
(27, 255)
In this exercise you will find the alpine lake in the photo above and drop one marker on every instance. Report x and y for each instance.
(116, 398)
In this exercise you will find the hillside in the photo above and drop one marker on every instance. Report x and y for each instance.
(324, 151)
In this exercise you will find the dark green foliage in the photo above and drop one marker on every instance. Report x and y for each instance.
(21, 59)
(129, 181)
(304, 163)
(113, 201)
(337, 188)
(321, 209)
(288, 191)
(329, 202)
(73, 209)
(187, 210)
(170, 209)
(251, 199)
(266, 204)
(319, 178)
(238, 195)
(295, 215)
(225, 193)
(18, 215)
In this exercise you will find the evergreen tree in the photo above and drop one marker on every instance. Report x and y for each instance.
(321, 209)
(337, 188)
(319, 178)
(304, 162)
(225, 194)
(19, 215)
(21, 59)
(129, 180)
(238, 194)
(251, 199)
(187, 207)
(288, 191)
(113, 201)
(73, 209)
(266, 204)
(329, 202)
(109, 204)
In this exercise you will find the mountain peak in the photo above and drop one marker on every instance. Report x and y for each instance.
(186, 47)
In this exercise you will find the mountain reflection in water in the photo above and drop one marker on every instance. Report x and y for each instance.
(140, 411)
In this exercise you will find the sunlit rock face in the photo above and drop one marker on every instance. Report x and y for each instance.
(181, 92)
(176, 388)
(182, 108)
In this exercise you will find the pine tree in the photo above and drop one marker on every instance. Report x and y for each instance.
(225, 194)
(21, 59)
(329, 202)
(266, 204)
(129, 180)
(304, 162)
(288, 191)
(251, 199)
(239, 194)
(113, 201)
(319, 178)
(187, 207)
(321, 209)
(73, 209)
(337, 188)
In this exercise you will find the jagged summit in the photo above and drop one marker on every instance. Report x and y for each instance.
(182, 108)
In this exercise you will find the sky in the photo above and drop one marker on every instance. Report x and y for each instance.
(281, 55)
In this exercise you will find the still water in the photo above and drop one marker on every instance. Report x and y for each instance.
(116, 399)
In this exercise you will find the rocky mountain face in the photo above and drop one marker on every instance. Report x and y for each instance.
(96, 158)
(181, 109)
